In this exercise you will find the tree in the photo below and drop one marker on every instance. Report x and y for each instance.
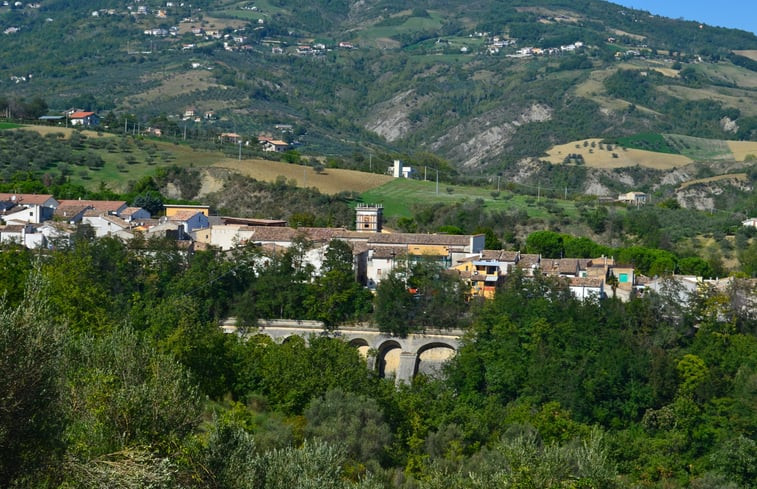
(353, 421)
(31, 364)
(417, 295)
(151, 201)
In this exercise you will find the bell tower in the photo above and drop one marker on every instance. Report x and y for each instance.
(369, 217)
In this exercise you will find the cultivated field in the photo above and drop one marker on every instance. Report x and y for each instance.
(749, 53)
(730, 176)
(743, 149)
(66, 131)
(603, 158)
(330, 181)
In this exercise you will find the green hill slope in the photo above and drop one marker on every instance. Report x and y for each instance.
(481, 84)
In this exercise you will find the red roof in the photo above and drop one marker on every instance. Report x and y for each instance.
(80, 115)
(30, 199)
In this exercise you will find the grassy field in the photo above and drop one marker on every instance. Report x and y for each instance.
(603, 158)
(330, 181)
(8, 125)
(400, 195)
(700, 148)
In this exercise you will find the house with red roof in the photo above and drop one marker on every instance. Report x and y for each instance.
(84, 119)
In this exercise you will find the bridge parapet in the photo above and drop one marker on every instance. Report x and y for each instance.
(390, 355)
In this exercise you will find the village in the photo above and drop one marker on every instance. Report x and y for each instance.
(39, 221)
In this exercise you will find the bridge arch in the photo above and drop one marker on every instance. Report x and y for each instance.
(432, 357)
(388, 358)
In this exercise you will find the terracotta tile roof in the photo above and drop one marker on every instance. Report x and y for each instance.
(500, 255)
(585, 282)
(183, 215)
(130, 210)
(12, 228)
(388, 252)
(528, 260)
(98, 205)
(80, 115)
(567, 265)
(116, 220)
(420, 239)
(29, 199)
(69, 210)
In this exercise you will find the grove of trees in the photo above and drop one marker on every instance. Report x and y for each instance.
(114, 373)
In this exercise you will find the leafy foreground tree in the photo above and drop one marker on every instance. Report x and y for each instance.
(230, 459)
(31, 357)
(419, 295)
(524, 462)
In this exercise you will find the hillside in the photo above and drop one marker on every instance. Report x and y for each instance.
(480, 84)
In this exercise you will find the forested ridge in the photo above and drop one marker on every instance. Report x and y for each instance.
(115, 373)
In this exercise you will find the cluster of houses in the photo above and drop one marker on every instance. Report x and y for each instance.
(529, 51)
(41, 221)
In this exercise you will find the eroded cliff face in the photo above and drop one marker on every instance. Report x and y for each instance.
(486, 137)
(470, 143)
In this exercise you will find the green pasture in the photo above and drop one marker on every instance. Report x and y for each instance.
(700, 148)
(9, 125)
(400, 195)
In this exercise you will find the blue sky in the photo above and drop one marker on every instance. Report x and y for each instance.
(739, 14)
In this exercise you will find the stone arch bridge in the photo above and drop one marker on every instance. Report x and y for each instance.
(391, 356)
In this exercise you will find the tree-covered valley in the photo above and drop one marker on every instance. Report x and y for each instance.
(115, 373)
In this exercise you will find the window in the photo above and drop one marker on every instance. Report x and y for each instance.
(623, 278)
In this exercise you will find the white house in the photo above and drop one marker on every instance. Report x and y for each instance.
(750, 223)
(189, 220)
(397, 170)
(587, 288)
(635, 198)
(84, 119)
(105, 224)
(31, 208)
(22, 234)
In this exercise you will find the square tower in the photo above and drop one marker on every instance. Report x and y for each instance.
(369, 217)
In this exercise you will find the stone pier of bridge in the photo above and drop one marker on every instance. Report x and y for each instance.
(390, 356)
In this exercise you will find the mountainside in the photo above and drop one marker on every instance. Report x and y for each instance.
(483, 84)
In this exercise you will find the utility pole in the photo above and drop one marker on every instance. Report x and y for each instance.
(566, 193)
(538, 192)
(240, 150)
(498, 177)
(370, 162)
(437, 181)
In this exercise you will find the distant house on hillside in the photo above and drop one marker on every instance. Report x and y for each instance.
(84, 119)
(634, 198)
(273, 145)
(751, 222)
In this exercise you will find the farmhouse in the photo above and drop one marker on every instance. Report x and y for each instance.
(84, 119)
(633, 198)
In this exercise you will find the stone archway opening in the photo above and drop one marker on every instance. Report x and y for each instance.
(388, 359)
(432, 357)
(362, 347)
